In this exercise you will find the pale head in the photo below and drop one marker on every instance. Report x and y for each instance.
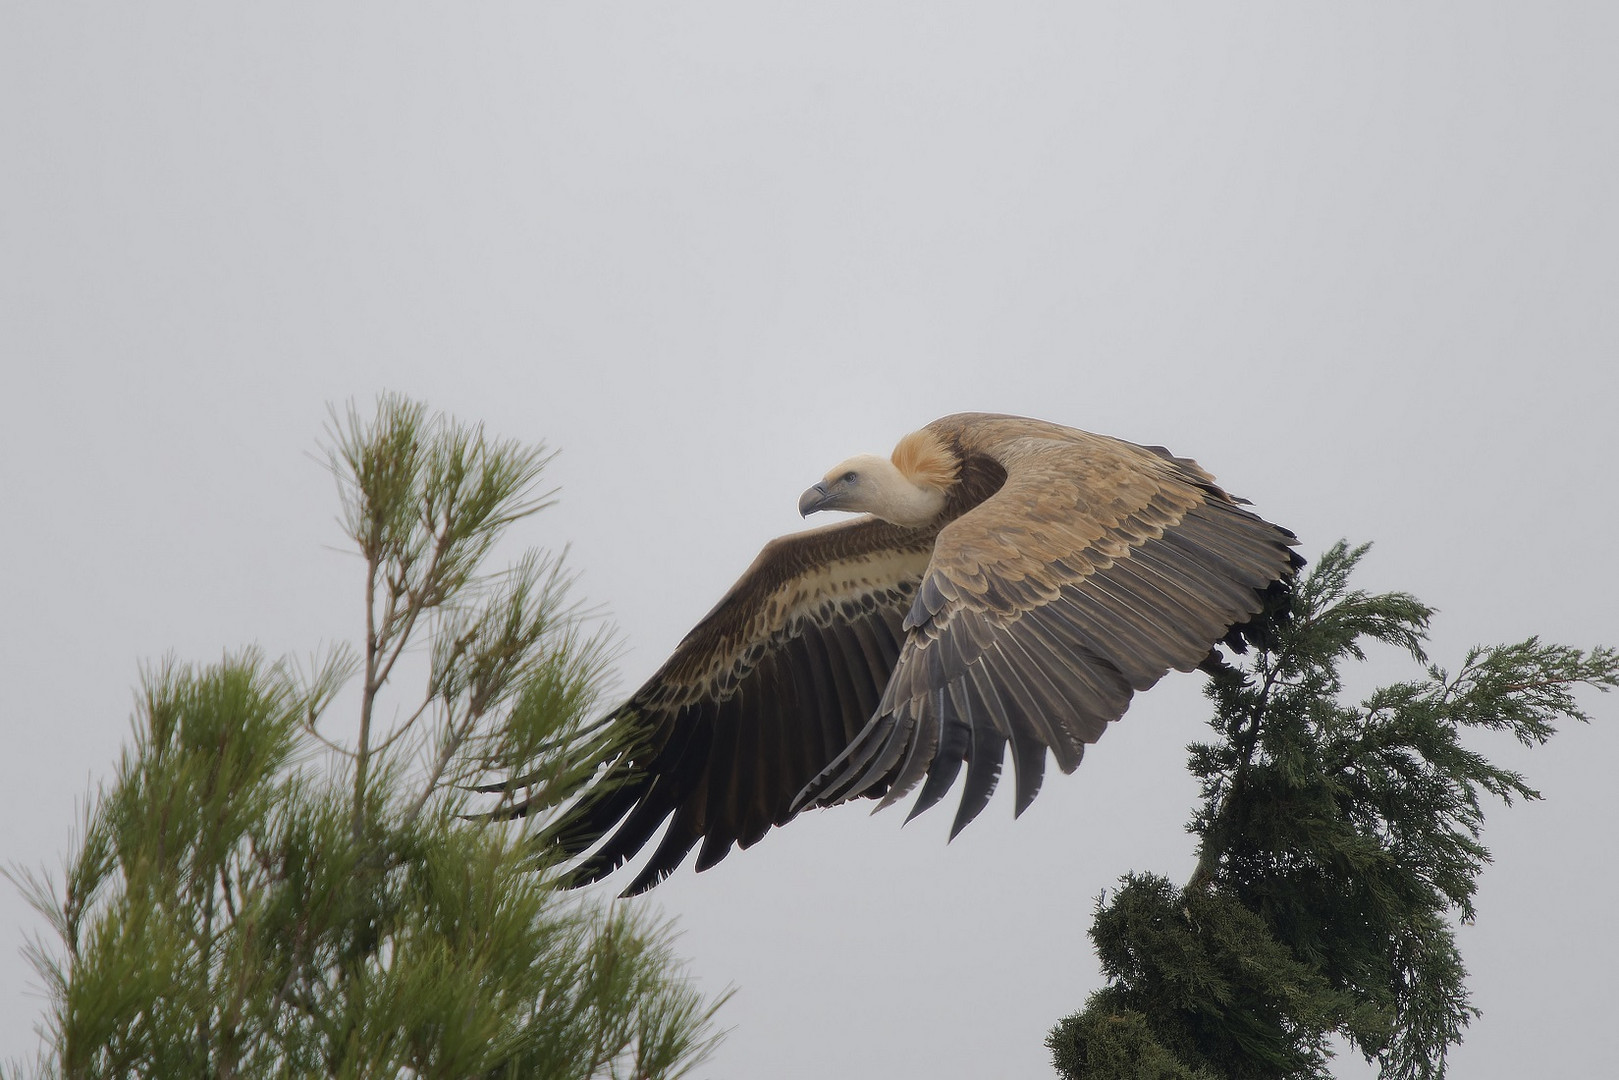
(869, 484)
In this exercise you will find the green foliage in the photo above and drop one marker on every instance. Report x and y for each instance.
(252, 898)
(1218, 987)
(1337, 844)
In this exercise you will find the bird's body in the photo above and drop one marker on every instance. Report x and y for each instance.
(1014, 582)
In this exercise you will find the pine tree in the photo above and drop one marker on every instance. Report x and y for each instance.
(1338, 844)
(253, 898)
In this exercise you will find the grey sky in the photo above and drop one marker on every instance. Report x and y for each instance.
(1358, 259)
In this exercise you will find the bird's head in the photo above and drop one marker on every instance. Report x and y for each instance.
(875, 485)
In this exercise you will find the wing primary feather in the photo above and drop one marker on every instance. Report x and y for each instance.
(892, 735)
(865, 763)
(806, 739)
(955, 737)
(1196, 566)
(750, 817)
(1038, 714)
(888, 636)
(1028, 746)
(1040, 673)
(1076, 655)
(1145, 655)
(1233, 532)
(984, 759)
(827, 673)
(1072, 723)
(1018, 698)
(817, 673)
(871, 636)
(1215, 568)
(905, 738)
(869, 745)
(657, 801)
(1155, 644)
(1028, 768)
(1174, 594)
(684, 831)
(719, 796)
(774, 769)
(591, 821)
(1120, 642)
(865, 684)
(1178, 617)
(845, 690)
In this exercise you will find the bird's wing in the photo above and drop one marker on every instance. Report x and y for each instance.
(756, 700)
(1096, 568)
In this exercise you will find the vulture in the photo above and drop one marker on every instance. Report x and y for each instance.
(1009, 583)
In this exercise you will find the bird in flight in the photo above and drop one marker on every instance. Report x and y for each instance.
(1008, 583)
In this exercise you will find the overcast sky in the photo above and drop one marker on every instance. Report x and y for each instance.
(1357, 259)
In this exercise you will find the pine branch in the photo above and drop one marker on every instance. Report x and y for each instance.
(242, 905)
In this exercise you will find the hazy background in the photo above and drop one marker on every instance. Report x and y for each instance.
(1358, 259)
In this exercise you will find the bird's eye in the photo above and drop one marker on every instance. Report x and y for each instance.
(849, 477)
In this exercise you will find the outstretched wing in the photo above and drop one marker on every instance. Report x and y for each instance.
(1096, 568)
(756, 700)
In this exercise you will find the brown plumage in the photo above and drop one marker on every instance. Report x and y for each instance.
(1015, 583)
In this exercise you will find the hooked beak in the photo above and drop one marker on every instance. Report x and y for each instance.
(816, 498)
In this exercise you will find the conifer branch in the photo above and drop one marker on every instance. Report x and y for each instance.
(1338, 843)
(240, 905)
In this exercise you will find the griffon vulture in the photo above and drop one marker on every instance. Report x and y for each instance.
(1010, 582)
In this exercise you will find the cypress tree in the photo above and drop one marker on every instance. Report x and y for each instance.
(1339, 844)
